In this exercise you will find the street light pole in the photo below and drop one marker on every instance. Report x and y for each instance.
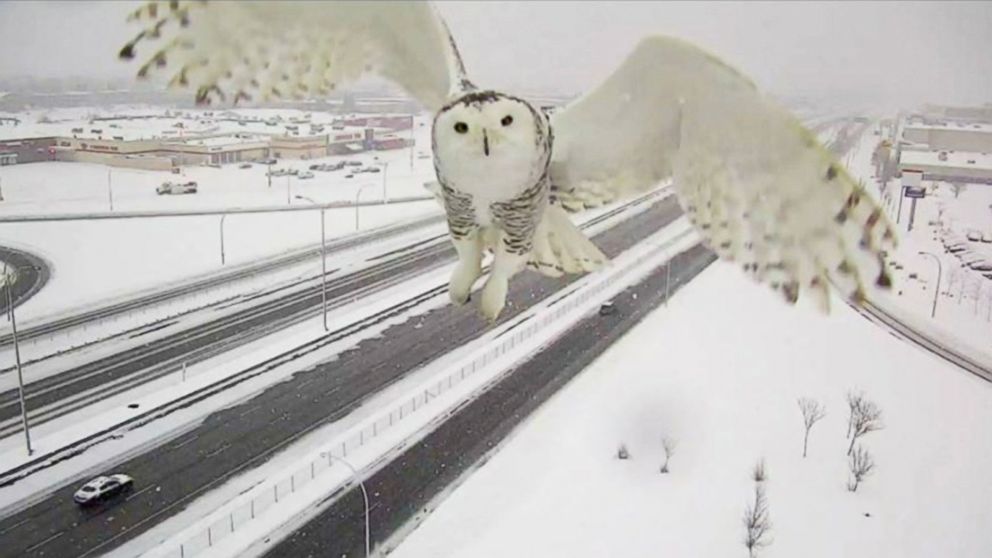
(357, 194)
(17, 360)
(222, 258)
(323, 261)
(110, 191)
(385, 170)
(365, 495)
(936, 291)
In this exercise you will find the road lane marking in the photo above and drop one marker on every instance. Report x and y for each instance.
(46, 541)
(145, 489)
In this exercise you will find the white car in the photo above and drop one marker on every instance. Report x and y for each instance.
(176, 188)
(103, 488)
(305, 174)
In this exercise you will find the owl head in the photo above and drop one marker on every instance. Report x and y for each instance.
(489, 130)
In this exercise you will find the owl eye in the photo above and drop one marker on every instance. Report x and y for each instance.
(461, 127)
(507, 120)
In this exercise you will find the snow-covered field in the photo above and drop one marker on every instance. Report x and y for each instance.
(720, 371)
(99, 260)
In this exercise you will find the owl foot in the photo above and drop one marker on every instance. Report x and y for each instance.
(460, 285)
(494, 297)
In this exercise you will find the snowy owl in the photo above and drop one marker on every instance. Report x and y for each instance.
(759, 188)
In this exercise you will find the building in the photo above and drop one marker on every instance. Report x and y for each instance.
(950, 136)
(179, 148)
(948, 166)
(28, 150)
(8, 158)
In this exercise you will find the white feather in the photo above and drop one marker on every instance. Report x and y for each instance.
(289, 49)
(759, 187)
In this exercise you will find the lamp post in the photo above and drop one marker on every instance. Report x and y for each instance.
(357, 194)
(323, 260)
(17, 356)
(110, 191)
(222, 258)
(354, 474)
(936, 291)
(385, 170)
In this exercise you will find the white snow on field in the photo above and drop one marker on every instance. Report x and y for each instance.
(98, 260)
(94, 260)
(964, 305)
(708, 372)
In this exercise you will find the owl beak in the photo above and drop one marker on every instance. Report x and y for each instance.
(485, 143)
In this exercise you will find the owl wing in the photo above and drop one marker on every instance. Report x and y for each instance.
(756, 184)
(256, 51)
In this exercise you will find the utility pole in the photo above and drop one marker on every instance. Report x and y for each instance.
(110, 191)
(323, 260)
(936, 291)
(223, 260)
(17, 360)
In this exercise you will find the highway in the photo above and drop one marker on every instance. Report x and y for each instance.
(403, 488)
(57, 395)
(244, 436)
(253, 269)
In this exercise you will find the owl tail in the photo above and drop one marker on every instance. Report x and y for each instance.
(560, 247)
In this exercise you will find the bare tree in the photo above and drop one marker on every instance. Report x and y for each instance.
(758, 473)
(757, 522)
(861, 465)
(854, 401)
(622, 452)
(866, 418)
(812, 411)
(669, 446)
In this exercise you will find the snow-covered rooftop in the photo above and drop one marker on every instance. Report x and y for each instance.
(949, 159)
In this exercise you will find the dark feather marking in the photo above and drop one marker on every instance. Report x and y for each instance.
(831, 172)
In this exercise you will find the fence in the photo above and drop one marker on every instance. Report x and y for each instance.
(246, 509)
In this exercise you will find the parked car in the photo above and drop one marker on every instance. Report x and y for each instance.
(305, 175)
(353, 163)
(103, 488)
(315, 167)
(244, 166)
(176, 188)
(974, 236)
(373, 169)
(269, 161)
(349, 176)
(987, 237)
(607, 309)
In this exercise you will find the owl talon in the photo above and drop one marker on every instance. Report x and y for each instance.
(493, 298)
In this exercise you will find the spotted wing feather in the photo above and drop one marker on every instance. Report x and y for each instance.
(238, 52)
(757, 185)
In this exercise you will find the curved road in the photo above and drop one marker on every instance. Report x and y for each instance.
(33, 273)
(243, 436)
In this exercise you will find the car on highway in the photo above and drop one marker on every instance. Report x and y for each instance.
(176, 188)
(607, 309)
(103, 488)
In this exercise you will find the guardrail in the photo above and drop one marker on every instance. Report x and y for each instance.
(559, 311)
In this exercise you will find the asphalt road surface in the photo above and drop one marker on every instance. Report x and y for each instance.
(235, 439)
(401, 490)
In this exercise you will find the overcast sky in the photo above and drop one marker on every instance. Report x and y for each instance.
(903, 52)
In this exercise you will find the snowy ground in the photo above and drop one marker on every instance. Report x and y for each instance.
(964, 306)
(99, 260)
(557, 489)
